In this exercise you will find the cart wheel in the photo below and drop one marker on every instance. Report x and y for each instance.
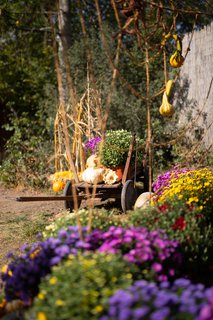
(68, 192)
(128, 196)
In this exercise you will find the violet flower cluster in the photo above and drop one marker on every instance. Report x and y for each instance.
(148, 300)
(156, 255)
(24, 273)
(151, 250)
(164, 179)
(91, 145)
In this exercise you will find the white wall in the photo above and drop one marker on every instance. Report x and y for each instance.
(198, 68)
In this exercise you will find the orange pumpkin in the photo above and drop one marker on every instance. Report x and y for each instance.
(58, 186)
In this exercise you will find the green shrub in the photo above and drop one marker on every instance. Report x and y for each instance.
(101, 219)
(80, 287)
(28, 152)
(114, 151)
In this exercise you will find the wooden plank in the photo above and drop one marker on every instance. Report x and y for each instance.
(100, 187)
(68, 198)
(48, 198)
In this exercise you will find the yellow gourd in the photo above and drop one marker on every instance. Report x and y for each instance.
(166, 109)
(177, 60)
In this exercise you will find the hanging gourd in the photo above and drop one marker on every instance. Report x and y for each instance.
(166, 109)
(177, 60)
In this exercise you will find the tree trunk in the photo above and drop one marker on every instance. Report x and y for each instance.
(64, 15)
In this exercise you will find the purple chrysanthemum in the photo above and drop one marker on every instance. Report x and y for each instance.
(181, 300)
(91, 145)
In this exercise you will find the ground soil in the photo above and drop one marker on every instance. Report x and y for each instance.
(8, 203)
(13, 214)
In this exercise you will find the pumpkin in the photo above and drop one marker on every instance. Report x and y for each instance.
(110, 176)
(92, 175)
(58, 186)
(143, 200)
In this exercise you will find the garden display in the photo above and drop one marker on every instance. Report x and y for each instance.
(154, 247)
(130, 245)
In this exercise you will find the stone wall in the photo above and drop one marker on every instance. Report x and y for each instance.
(198, 69)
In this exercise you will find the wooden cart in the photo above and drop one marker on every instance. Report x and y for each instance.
(122, 194)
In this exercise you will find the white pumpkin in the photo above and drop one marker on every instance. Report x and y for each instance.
(109, 176)
(92, 175)
(143, 200)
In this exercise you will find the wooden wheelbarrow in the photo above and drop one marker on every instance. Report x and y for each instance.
(121, 194)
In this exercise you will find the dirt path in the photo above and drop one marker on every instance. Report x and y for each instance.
(14, 215)
(8, 203)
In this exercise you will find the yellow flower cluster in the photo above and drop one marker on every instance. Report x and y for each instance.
(194, 186)
(59, 179)
(41, 316)
(5, 269)
(61, 176)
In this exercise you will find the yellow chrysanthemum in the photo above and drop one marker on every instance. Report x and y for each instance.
(98, 309)
(4, 269)
(53, 280)
(41, 316)
(192, 186)
(40, 296)
(59, 302)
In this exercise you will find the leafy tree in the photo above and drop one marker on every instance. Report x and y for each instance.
(28, 89)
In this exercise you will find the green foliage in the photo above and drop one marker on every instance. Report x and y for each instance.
(115, 148)
(28, 152)
(28, 82)
(80, 287)
(26, 74)
(101, 219)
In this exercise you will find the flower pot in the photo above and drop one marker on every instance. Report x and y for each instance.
(119, 172)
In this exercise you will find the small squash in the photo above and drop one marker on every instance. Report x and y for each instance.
(92, 161)
(58, 186)
(92, 175)
(166, 109)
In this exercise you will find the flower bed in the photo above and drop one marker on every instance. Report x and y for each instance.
(127, 267)
(157, 256)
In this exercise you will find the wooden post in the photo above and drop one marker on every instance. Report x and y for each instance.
(148, 109)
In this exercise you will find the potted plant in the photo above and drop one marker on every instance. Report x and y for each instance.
(114, 150)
